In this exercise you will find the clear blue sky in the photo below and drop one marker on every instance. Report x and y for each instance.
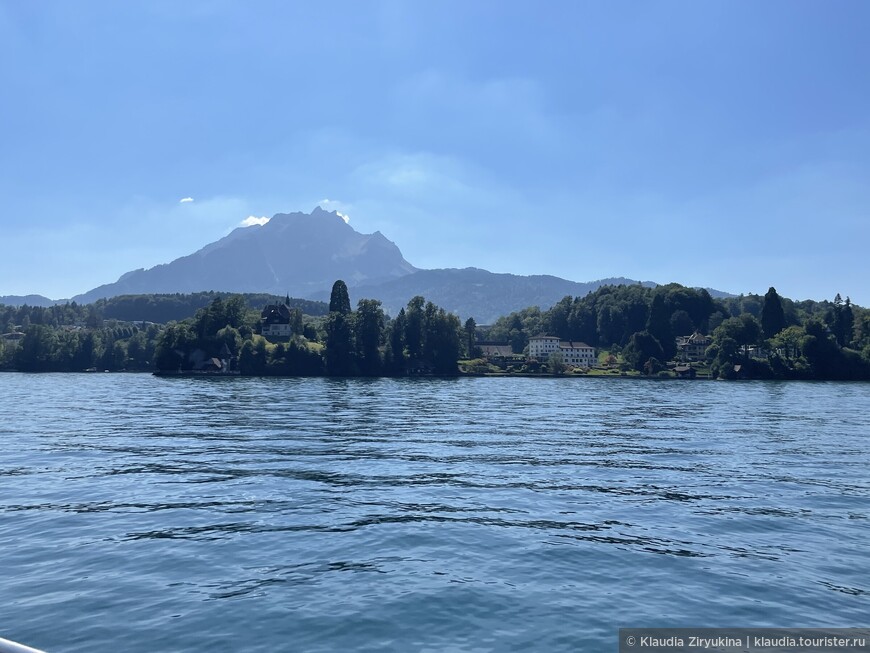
(722, 144)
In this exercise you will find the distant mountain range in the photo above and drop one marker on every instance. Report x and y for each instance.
(29, 300)
(302, 255)
(295, 253)
(472, 292)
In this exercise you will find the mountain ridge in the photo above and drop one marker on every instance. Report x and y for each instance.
(29, 300)
(478, 293)
(296, 253)
(302, 254)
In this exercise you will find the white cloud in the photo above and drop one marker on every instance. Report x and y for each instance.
(185, 200)
(340, 208)
(252, 220)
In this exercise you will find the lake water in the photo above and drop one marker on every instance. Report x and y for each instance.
(481, 514)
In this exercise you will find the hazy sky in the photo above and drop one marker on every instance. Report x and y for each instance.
(722, 144)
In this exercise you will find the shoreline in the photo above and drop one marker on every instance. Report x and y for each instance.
(620, 377)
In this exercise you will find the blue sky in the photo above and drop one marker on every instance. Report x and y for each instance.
(721, 144)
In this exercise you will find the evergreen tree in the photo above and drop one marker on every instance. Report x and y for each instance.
(431, 327)
(834, 318)
(442, 343)
(414, 328)
(94, 321)
(339, 344)
(848, 323)
(659, 326)
(369, 332)
(339, 299)
(396, 363)
(772, 314)
(820, 349)
(470, 331)
(339, 328)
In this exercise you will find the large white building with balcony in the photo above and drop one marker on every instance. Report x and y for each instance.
(578, 354)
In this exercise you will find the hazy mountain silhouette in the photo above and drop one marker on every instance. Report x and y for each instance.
(295, 253)
(472, 292)
(28, 300)
(302, 254)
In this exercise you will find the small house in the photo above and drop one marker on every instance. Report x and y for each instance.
(495, 349)
(275, 321)
(693, 347)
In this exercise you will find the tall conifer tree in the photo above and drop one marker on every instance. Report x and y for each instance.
(339, 300)
(772, 314)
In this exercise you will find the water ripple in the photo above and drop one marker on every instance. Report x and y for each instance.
(402, 515)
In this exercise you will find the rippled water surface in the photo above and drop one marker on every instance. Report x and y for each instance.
(145, 514)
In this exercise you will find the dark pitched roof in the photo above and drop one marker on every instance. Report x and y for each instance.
(276, 314)
(572, 344)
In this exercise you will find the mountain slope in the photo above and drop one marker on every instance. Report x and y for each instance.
(295, 253)
(303, 254)
(472, 292)
(28, 300)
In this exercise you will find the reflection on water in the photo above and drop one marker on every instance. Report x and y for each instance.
(468, 514)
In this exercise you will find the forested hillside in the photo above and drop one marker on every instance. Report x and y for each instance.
(750, 336)
(806, 339)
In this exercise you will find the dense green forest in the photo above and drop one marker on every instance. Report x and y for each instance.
(423, 338)
(365, 342)
(806, 340)
(177, 307)
(752, 336)
(157, 308)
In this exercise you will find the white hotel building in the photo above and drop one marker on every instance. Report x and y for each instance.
(578, 354)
